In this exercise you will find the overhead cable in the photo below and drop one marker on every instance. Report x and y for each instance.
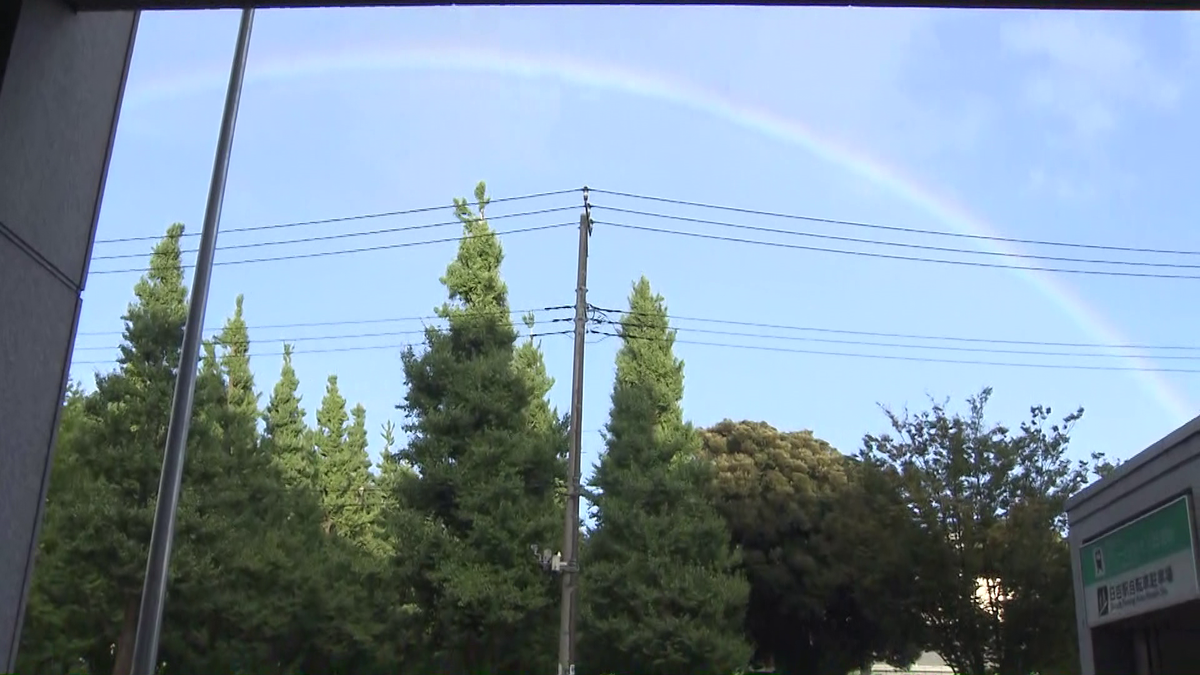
(342, 219)
(354, 322)
(348, 235)
(897, 244)
(910, 336)
(889, 256)
(333, 350)
(365, 249)
(916, 359)
(893, 228)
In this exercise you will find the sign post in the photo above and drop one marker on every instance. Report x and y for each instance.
(1144, 565)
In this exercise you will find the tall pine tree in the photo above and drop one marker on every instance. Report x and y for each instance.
(662, 595)
(392, 468)
(132, 407)
(241, 427)
(350, 499)
(330, 442)
(530, 363)
(486, 474)
(286, 437)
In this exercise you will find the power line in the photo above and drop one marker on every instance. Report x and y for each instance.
(347, 235)
(876, 242)
(288, 340)
(728, 322)
(893, 228)
(888, 256)
(354, 322)
(365, 249)
(310, 338)
(330, 350)
(911, 336)
(919, 359)
(342, 219)
(867, 343)
(915, 359)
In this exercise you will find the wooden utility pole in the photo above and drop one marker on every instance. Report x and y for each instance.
(570, 568)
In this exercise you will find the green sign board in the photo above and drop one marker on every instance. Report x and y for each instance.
(1144, 565)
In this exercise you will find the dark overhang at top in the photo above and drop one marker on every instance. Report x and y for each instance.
(100, 5)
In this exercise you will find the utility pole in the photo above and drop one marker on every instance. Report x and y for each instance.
(154, 590)
(570, 570)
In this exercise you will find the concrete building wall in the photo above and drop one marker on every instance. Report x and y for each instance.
(60, 91)
(1165, 470)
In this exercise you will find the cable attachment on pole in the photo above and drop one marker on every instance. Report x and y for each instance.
(587, 209)
(551, 562)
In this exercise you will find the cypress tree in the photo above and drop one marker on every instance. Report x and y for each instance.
(330, 441)
(531, 365)
(287, 437)
(485, 474)
(132, 407)
(662, 595)
(350, 500)
(392, 468)
(241, 426)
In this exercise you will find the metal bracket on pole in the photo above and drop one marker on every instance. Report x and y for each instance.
(154, 590)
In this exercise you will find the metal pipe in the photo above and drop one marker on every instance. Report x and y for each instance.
(154, 590)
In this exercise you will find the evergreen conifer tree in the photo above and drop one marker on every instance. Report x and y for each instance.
(661, 592)
(330, 442)
(486, 474)
(287, 437)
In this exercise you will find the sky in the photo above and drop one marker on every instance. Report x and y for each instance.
(1067, 127)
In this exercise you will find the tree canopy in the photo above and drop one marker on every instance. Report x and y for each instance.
(332, 540)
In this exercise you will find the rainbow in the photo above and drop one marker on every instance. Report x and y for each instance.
(362, 58)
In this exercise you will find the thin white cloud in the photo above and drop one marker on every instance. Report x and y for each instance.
(1088, 72)
(1191, 30)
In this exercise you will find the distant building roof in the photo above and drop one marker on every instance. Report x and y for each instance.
(928, 663)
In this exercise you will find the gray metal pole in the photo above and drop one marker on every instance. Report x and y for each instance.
(570, 579)
(145, 649)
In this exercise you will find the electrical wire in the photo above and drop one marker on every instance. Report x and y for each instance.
(355, 322)
(915, 359)
(892, 228)
(347, 235)
(745, 324)
(342, 219)
(889, 256)
(310, 338)
(876, 242)
(615, 325)
(867, 343)
(365, 249)
(334, 350)
(909, 336)
(719, 223)
(287, 340)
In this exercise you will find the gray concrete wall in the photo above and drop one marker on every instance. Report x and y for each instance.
(60, 93)
(1165, 470)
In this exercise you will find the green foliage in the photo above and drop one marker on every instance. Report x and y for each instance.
(345, 473)
(293, 558)
(530, 364)
(287, 438)
(661, 593)
(989, 504)
(485, 476)
(823, 547)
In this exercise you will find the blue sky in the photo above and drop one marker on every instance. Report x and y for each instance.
(1069, 127)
